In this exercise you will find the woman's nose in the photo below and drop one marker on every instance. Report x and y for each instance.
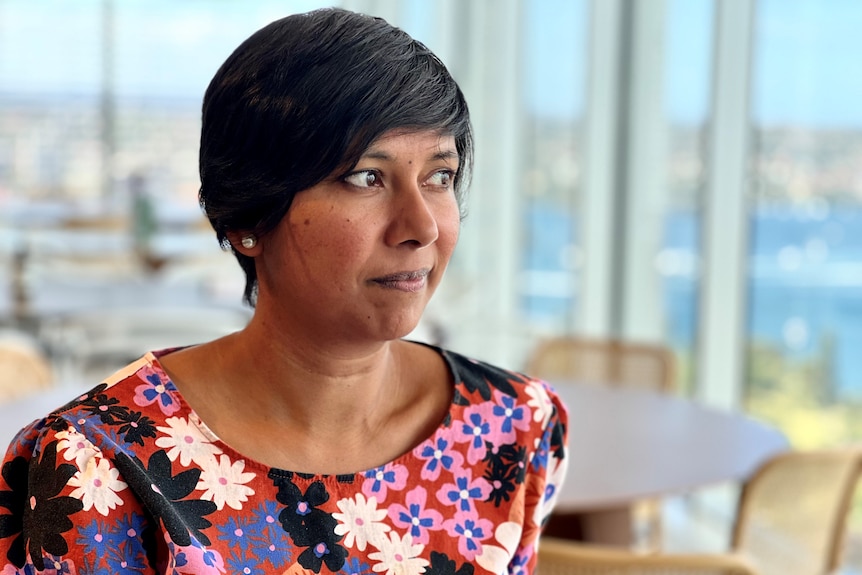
(413, 219)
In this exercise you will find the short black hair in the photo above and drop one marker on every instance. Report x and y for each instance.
(307, 95)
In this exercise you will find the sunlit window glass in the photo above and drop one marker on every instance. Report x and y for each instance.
(805, 313)
(554, 64)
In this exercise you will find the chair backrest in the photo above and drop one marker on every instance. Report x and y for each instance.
(604, 361)
(561, 557)
(24, 369)
(792, 512)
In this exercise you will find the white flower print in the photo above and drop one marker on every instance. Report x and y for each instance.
(557, 469)
(184, 440)
(223, 482)
(73, 445)
(399, 556)
(540, 401)
(360, 522)
(96, 486)
(495, 558)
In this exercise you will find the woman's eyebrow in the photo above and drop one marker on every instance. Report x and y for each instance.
(386, 157)
(445, 155)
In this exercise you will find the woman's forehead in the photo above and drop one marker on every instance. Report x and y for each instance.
(432, 139)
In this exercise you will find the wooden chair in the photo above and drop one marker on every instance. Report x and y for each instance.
(611, 362)
(118, 222)
(616, 363)
(562, 557)
(792, 513)
(24, 368)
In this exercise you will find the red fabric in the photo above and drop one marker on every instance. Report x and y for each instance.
(127, 479)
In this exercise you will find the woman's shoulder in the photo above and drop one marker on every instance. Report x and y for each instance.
(121, 410)
(479, 381)
(473, 372)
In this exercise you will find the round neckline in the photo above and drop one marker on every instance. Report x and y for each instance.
(152, 360)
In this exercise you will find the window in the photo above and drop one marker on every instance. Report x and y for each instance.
(805, 309)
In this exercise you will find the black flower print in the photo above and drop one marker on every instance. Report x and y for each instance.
(507, 459)
(135, 427)
(483, 378)
(15, 475)
(442, 565)
(162, 493)
(308, 526)
(558, 442)
(36, 509)
(502, 479)
(105, 408)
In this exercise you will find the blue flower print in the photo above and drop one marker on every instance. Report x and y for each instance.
(477, 428)
(471, 533)
(379, 481)
(416, 521)
(270, 540)
(92, 537)
(518, 564)
(464, 491)
(58, 566)
(235, 532)
(508, 412)
(470, 529)
(540, 460)
(354, 566)
(242, 565)
(550, 489)
(439, 454)
(156, 390)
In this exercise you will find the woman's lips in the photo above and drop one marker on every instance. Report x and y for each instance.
(404, 281)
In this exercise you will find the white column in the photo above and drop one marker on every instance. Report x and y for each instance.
(644, 192)
(491, 236)
(596, 208)
(725, 238)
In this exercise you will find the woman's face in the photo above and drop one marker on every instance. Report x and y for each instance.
(359, 255)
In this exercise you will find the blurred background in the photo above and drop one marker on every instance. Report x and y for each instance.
(681, 172)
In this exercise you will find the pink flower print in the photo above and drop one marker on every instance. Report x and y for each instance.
(518, 566)
(439, 455)
(415, 517)
(464, 491)
(379, 481)
(156, 390)
(194, 558)
(509, 416)
(470, 531)
(474, 429)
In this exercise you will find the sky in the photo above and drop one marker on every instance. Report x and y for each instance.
(805, 61)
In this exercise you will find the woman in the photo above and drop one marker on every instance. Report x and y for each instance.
(335, 151)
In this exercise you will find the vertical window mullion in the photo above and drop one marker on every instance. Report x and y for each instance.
(721, 335)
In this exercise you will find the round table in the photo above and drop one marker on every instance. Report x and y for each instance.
(628, 444)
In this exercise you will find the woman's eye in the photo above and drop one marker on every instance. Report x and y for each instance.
(364, 179)
(442, 178)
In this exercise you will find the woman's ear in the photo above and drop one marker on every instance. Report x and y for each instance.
(245, 243)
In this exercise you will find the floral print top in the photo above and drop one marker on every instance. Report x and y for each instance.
(127, 479)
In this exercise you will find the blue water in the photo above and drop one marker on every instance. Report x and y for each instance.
(804, 281)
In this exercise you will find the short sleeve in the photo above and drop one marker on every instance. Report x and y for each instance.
(545, 472)
(64, 507)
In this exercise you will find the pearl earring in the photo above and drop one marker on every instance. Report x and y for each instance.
(249, 242)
